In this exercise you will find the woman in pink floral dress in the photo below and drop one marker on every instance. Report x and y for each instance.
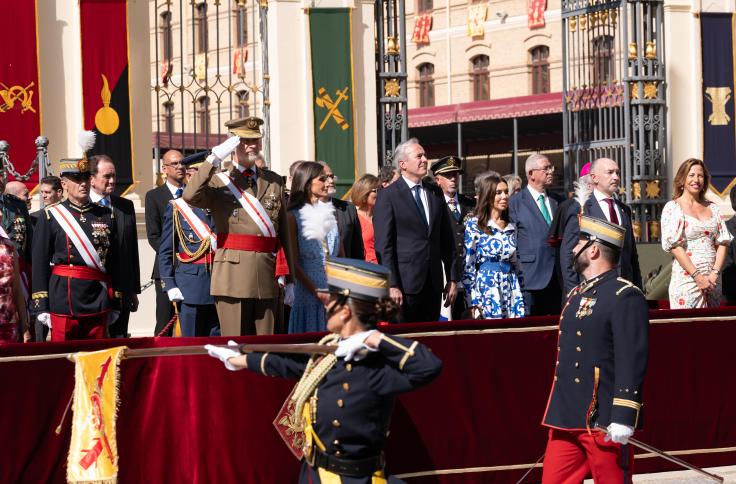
(694, 232)
(13, 314)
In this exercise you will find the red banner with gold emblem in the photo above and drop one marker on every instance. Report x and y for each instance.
(20, 102)
(535, 17)
(106, 83)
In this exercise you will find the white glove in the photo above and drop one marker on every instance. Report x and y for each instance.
(45, 319)
(619, 433)
(289, 294)
(224, 354)
(354, 347)
(223, 150)
(175, 294)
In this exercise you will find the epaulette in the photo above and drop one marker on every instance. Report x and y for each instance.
(626, 284)
(408, 352)
(46, 210)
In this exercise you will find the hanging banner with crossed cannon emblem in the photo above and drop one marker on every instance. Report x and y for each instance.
(332, 86)
(719, 134)
(20, 103)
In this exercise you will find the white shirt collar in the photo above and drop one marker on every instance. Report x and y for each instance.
(600, 196)
(509, 226)
(535, 193)
(447, 199)
(410, 183)
(95, 197)
(173, 188)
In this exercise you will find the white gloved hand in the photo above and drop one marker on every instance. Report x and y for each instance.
(223, 150)
(45, 319)
(175, 294)
(354, 347)
(224, 354)
(619, 433)
(289, 294)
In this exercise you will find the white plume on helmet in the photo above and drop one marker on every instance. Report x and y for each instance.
(86, 140)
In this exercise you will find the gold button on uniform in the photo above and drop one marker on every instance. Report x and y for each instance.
(578, 349)
(336, 423)
(340, 402)
(555, 377)
(346, 386)
(577, 380)
(335, 442)
(349, 367)
(579, 333)
(338, 453)
(577, 365)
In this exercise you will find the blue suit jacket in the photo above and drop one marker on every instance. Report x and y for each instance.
(537, 257)
(629, 261)
(193, 280)
(405, 244)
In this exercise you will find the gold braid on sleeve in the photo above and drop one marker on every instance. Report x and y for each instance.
(204, 244)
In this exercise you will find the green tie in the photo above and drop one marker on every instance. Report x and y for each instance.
(543, 208)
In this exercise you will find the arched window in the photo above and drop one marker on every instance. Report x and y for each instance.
(426, 84)
(167, 37)
(203, 115)
(540, 69)
(604, 68)
(481, 78)
(243, 108)
(168, 117)
(240, 24)
(201, 27)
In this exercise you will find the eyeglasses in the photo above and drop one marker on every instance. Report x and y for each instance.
(375, 190)
(548, 169)
(175, 164)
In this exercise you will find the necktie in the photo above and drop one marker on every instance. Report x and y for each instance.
(178, 192)
(543, 208)
(453, 209)
(104, 202)
(612, 217)
(418, 200)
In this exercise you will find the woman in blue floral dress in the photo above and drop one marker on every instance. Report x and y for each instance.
(492, 274)
(317, 238)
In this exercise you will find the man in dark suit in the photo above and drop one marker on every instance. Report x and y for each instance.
(729, 266)
(156, 201)
(446, 173)
(531, 210)
(602, 204)
(102, 186)
(414, 238)
(348, 225)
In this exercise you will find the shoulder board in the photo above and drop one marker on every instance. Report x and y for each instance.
(626, 284)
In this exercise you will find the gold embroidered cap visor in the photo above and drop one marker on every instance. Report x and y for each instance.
(447, 165)
(248, 128)
(357, 278)
(602, 231)
(73, 166)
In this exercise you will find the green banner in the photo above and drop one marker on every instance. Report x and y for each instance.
(332, 86)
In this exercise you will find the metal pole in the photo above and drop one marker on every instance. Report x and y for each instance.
(4, 148)
(516, 147)
(266, 91)
(42, 144)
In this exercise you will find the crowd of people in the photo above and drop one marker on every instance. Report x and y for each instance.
(241, 250)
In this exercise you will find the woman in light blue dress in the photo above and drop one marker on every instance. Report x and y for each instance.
(317, 238)
(492, 273)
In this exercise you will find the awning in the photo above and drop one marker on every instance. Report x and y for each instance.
(512, 107)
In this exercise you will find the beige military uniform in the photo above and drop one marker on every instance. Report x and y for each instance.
(243, 282)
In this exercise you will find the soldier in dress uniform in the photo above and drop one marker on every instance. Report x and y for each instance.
(601, 362)
(188, 244)
(247, 204)
(76, 270)
(343, 401)
(447, 173)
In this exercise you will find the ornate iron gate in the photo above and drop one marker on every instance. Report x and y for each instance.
(614, 106)
(393, 124)
(205, 71)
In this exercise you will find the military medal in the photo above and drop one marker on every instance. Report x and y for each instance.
(586, 307)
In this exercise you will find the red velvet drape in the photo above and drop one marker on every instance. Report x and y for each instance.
(187, 419)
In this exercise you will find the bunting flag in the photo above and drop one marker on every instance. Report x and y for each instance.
(20, 94)
(332, 84)
(240, 56)
(166, 68)
(93, 451)
(477, 20)
(422, 26)
(106, 83)
(536, 10)
(719, 136)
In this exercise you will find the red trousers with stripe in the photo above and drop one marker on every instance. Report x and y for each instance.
(573, 454)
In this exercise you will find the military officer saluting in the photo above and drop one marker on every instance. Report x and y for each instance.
(447, 173)
(342, 405)
(247, 204)
(75, 270)
(188, 245)
(601, 362)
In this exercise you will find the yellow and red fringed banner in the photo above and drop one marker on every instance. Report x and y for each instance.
(93, 451)
(20, 101)
(106, 83)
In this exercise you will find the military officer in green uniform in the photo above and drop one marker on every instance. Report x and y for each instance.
(596, 396)
(343, 401)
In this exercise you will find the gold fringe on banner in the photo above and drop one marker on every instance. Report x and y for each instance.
(93, 452)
